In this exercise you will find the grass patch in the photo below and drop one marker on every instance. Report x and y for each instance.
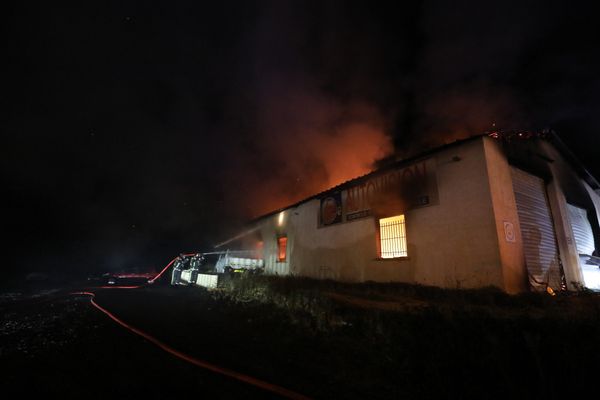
(419, 342)
(332, 303)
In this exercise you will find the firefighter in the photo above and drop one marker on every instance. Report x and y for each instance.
(195, 263)
(178, 266)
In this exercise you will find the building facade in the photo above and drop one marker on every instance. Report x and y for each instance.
(511, 212)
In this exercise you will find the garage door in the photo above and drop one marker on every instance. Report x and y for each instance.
(584, 240)
(582, 230)
(537, 231)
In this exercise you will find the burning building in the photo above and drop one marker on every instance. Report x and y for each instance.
(513, 210)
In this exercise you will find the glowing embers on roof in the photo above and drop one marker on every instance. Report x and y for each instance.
(515, 134)
(392, 234)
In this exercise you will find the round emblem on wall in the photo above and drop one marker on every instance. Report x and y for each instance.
(330, 211)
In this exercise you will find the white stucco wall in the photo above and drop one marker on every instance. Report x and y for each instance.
(506, 218)
(450, 244)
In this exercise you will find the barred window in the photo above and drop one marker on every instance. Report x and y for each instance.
(392, 237)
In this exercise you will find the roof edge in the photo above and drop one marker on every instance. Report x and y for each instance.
(573, 160)
(384, 168)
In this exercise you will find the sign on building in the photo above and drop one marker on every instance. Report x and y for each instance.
(385, 193)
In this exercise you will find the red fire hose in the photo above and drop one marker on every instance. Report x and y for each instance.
(192, 360)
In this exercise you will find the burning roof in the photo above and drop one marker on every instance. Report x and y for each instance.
(506, 136)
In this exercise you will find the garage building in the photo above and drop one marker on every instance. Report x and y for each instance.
(513, 210)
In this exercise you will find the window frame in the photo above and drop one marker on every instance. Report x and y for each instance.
(403, 239)
(280, 239)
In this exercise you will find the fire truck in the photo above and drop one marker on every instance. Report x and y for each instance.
(228, 263)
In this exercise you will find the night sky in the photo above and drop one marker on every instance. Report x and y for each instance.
(137, 130)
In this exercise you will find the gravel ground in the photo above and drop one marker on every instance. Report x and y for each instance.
(350, 343)
(61, 346)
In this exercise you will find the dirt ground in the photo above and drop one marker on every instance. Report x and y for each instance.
(337, 341)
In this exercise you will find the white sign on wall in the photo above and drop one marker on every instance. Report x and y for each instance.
(509, 232)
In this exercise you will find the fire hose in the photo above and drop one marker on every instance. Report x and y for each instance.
(281, 391)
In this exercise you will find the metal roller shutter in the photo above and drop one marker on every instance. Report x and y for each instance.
(537, 231)
(584, 239)
(582, 230)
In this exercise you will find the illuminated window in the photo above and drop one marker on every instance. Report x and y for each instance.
(281, 248)
(392, 237)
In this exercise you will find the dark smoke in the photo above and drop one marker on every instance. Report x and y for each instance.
(133, 132)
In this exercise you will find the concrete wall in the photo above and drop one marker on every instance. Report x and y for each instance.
(270, 230)
(506, 218)
(453, 243)
(468, 237)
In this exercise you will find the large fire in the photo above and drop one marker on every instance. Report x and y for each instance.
(317, 163)
(305, 142)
